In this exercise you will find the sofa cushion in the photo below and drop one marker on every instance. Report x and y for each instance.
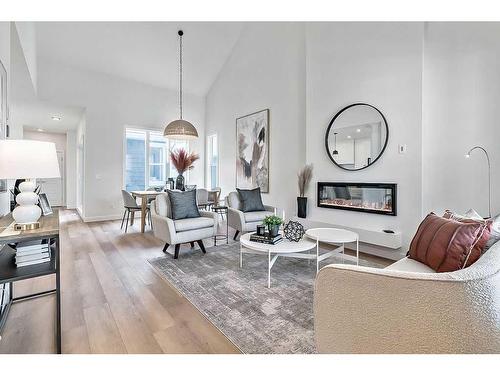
(256, 216)
(410, 265)
(446, 245)
(183, 225)
(251, 200)
(183, 204)
(162, 204)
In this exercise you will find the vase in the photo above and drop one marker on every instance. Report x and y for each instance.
(273, 230)
(302, 207)
(179, 182)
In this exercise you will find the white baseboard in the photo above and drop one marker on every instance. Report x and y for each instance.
(91, 219)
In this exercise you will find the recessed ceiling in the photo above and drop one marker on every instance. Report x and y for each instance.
(146, 52)
(38, 115)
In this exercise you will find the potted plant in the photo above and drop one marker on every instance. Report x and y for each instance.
(182, 161)
(273, 223)
(304, 179)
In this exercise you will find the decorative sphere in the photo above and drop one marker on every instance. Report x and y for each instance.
(294, 231)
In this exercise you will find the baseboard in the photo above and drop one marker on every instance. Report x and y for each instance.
(91, 219)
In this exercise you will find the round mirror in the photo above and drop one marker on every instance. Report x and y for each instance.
(356, 137)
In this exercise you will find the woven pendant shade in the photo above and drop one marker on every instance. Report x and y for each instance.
(180, 129)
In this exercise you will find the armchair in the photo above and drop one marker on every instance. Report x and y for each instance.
(176, 232)
(408, 308)
(244, 221)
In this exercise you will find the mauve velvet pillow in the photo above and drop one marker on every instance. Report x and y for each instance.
(446, 245)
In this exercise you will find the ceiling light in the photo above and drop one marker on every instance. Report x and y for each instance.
(40, 129)
(56, 118)
(180, 129)
(349, 137)
(358, 130)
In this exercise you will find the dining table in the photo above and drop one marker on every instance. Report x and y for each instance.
(144, 195)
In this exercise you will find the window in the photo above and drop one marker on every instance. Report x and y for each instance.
(147, 161)
(212, 161)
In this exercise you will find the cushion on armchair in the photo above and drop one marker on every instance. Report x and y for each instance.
(251, 200)
(183, 204)
(447, 245)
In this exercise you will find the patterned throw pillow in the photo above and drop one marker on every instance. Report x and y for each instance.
(183, 204)
(447, 245)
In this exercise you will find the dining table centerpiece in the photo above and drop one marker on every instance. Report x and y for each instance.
(182, 160)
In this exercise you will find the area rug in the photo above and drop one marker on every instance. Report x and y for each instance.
(237, 301)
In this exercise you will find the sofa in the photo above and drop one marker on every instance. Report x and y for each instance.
(244, 221)
(409, 308)
(177, 232)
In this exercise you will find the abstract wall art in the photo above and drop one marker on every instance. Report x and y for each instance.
(252, 151)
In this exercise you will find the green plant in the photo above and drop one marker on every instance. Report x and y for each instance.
(272, 220)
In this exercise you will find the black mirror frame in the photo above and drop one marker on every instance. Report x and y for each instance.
(330, 126)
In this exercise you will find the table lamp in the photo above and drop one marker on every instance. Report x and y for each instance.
(25, 159)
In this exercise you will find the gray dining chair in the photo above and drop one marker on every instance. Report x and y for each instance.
(130, 205)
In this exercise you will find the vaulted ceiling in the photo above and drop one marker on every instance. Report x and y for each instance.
(146, 52)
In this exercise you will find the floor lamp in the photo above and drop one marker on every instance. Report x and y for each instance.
(489, 173)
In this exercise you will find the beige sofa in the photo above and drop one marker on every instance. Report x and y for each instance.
(177, 232)
(408, 308)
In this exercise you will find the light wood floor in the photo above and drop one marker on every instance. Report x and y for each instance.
(112, 299)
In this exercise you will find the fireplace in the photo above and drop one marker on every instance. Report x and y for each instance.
(373, 198)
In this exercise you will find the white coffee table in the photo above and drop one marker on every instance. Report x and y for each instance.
(334, 236)
(285, 248)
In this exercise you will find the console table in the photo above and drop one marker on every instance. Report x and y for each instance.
(9, 273)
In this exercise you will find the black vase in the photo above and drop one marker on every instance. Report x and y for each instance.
(179, 182)
(302, 207)
(273, 230)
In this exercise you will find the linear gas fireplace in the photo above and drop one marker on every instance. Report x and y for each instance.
(374, 198)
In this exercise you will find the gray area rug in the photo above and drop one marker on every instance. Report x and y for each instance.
(237, 301)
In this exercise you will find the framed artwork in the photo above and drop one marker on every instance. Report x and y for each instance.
(44, 204)
(252, 148)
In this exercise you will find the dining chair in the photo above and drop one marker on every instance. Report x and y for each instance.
(202, 198)
(130, 205)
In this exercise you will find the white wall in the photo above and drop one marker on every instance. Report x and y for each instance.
(265, 70)
(5, 58)
(379, 64)
(58, 138)
(112, 103)
(461, 110)
(80, 165)
(27, 39)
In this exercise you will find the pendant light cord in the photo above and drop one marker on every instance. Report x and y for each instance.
(180, 72)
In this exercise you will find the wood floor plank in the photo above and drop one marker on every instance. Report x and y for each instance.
(103, 334)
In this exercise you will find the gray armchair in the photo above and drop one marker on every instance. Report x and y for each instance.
(177, 232)
(244, 221)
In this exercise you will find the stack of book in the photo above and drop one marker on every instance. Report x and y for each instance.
(266, 238)
(32, 252)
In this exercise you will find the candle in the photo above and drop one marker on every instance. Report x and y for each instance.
(283, 215)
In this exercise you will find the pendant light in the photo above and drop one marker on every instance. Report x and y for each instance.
(335, 152)
(180, 129)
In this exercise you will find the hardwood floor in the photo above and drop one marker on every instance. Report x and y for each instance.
(112, 299)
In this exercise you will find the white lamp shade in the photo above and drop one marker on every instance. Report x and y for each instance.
(28, 159)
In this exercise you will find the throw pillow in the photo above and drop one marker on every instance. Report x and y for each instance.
(183, 204)
(446, 245)
(251, 200)
(492, 233)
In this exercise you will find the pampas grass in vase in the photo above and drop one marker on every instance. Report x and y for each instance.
(182, 162)
(304, 178)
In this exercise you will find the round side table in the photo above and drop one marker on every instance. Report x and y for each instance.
(221, 210)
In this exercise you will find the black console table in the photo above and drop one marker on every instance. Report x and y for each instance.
(9, 273)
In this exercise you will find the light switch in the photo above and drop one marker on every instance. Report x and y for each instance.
(402, 149)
